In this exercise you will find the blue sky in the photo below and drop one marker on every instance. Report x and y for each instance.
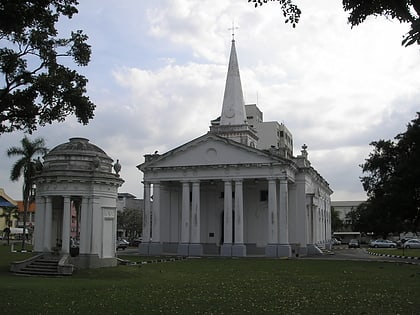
(158, 71)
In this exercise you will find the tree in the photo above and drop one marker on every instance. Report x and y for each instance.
(291, 12)
(401, 10)
(26, 166)
(131, 221)
(405, 11)
(35, 89)
(9, 213)
(336, 222)
(392, 183)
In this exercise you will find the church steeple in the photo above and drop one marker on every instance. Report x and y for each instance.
(233, 124)
(233, 109)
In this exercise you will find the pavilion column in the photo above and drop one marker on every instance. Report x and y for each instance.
(39, 224)
(65, 246)
(271, 248)
(195, 247)
(283, 249)
(96, 226)
(185, 220)
(227, 220)
(239, 249)
(48, 224)
(156, 245)
(85, 227)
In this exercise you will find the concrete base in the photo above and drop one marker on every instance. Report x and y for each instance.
(271, 250)
(155, 249)
(226, 250)
(144, 249)
(239, 250)
(284, 250)
(183, 249)
(195, 250)
(88, 261)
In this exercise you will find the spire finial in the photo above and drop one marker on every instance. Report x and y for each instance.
(233, 28)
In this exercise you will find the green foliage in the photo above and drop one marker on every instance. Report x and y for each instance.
(9, 213)
(392, 184)
(291, 12)
(131, 221)
(336, 222)
(35, 89)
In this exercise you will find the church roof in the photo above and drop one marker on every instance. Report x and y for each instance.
(233, 109)
(189, 157)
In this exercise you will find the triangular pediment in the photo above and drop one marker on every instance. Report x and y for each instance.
(210, 149)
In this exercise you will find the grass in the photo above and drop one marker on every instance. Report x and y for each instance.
(218, 286)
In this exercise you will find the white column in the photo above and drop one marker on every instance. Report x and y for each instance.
(226, 249)
(195, 213)
(239, 248)
(185, 216)
(272, 211)
(48, 224)
(39, 224)
(283, 212)
(85, 227)
(227, 234)
(301, 215)
(156, 213)
(293, 223)
(146, 214)
(65, 247)
(239, 212)
(97, 224)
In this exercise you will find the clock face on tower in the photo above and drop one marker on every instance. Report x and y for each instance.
(230, 112)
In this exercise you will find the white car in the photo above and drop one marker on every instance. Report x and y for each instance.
(413, 243)
(383, 243)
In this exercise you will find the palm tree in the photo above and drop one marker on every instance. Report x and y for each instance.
(25, 166)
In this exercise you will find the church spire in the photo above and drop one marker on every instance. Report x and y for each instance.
(233, 109)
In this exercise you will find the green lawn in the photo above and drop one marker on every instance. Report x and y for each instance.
(218, 286)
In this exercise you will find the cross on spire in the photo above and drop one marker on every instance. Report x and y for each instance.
(233, 28)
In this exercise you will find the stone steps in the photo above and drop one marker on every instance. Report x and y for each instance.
(41, 267)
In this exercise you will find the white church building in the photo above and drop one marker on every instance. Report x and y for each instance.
(236, 190)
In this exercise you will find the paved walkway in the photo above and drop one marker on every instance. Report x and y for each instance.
(344, 253)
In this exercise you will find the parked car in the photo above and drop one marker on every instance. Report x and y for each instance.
(135, 242)
(122, 244)
(383, 243)
(354, 243)
(413, 243)
(335, 241)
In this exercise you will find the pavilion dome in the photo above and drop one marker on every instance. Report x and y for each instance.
(77, 155)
